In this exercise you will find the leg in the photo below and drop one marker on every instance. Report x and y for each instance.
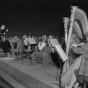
(13, 52)
(46, 56)
(19, 56)
(34, 56)
(45, 61)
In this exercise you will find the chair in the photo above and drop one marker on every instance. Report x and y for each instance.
(39, 60)
(26, 55)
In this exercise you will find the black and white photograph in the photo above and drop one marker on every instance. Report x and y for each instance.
(43, 43)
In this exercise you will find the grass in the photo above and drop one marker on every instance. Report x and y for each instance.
(22, 78)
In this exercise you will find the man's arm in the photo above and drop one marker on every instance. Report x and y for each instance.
(78, 49)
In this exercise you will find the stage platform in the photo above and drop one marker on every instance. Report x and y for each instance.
(44, 74)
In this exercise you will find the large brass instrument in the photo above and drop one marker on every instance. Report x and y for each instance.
(78, 26)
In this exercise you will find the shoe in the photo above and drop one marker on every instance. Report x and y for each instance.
(30, 63)
(56, 82)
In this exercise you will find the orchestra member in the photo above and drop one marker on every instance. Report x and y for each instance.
(71, 55)
(1, 31)
(80, 74)
(19, 49)
(6, 45)
(26, 42)
(48, 54)
(39, 53)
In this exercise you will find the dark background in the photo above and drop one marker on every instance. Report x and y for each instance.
(37, 16)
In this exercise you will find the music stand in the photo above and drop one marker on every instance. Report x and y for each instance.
(61, 53)
(63, 57)
(53, 42)
(31, 41)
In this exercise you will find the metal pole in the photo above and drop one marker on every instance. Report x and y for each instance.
(60, 74)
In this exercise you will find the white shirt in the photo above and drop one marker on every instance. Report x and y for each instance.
(41, 45)
(26, 41)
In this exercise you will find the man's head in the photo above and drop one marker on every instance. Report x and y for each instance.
(24, 36)
(74, 39)
(50, 36)
(44, 37)
(15, 37)
(3, 27)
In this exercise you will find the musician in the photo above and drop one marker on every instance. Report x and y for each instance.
(43, 52)
(80, 74)
(71, 55)
(5, 45)
(26, 42)
(1, 31)
(19, 49)
(39, 53)
(48, 54)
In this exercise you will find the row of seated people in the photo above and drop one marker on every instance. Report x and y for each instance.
(41, 53)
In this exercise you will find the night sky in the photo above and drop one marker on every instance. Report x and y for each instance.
(36, 16)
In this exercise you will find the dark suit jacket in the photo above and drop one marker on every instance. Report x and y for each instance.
(6, 46)
(20, 45)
